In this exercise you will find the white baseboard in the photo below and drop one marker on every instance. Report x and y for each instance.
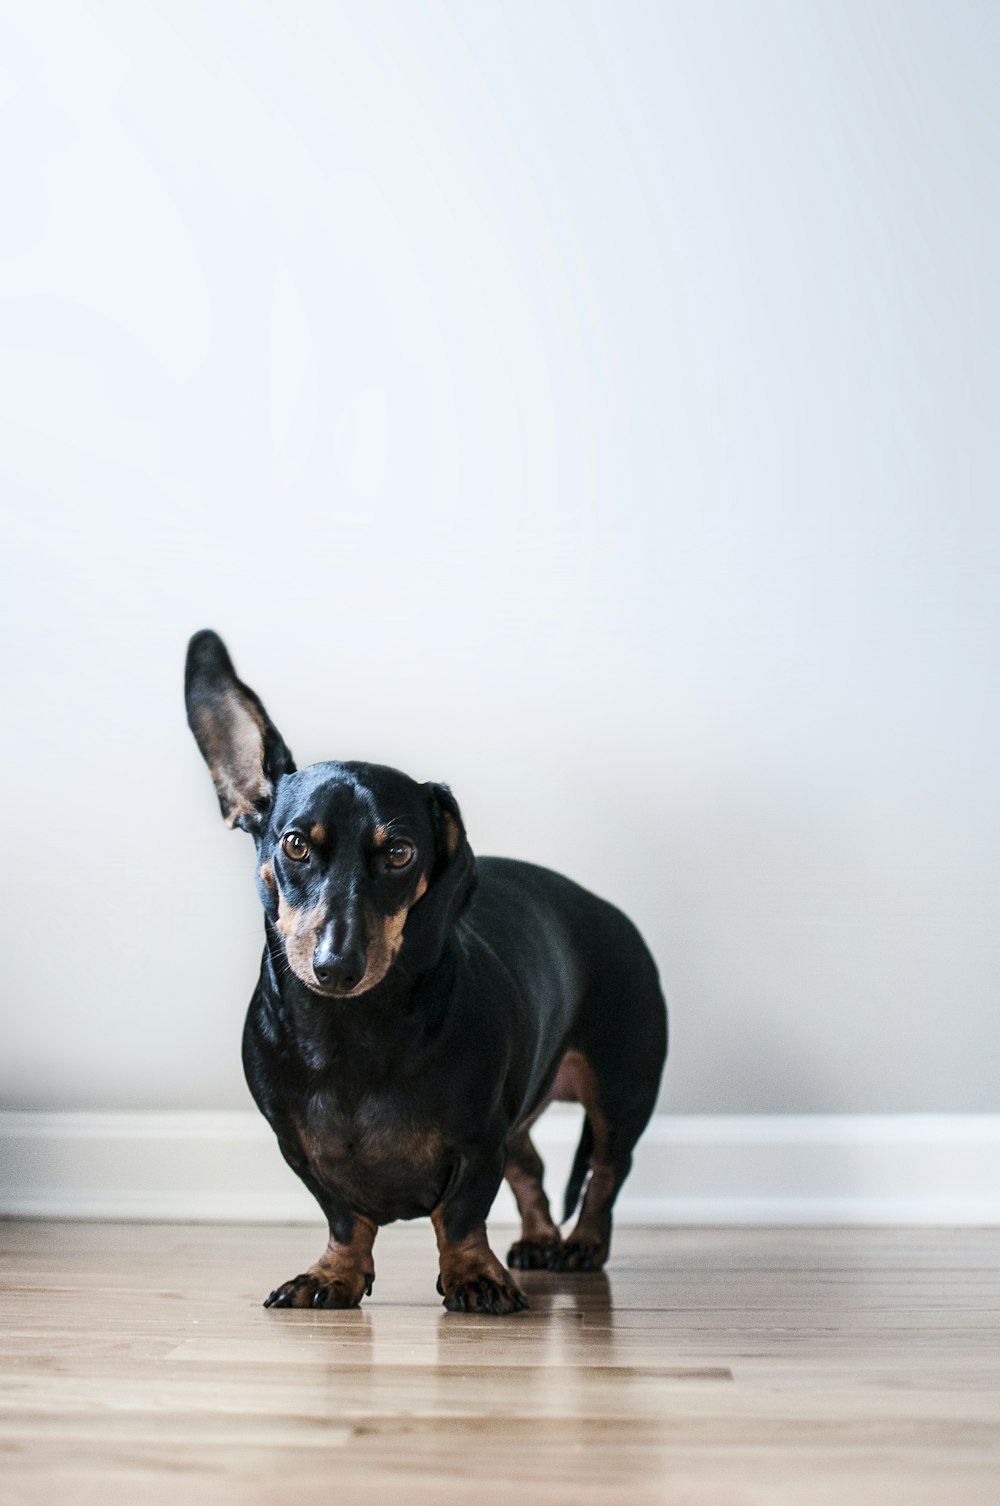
(697, 1169)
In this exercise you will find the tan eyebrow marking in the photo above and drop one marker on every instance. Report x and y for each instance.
(317, 834)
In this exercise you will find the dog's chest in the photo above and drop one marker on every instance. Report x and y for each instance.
(380, 1157)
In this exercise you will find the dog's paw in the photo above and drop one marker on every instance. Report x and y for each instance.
(318, 1289)
(483, 1294)
(577, 1256)
(530, 1255)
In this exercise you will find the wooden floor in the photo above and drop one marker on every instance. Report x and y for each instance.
(709, 1367)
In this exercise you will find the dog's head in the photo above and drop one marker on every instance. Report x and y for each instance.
(358, 866)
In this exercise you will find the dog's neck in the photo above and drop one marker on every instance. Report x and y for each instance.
(331, 1034)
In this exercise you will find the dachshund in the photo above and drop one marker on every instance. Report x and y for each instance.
(418, 1008)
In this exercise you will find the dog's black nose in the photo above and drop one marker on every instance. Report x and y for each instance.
(335, 971)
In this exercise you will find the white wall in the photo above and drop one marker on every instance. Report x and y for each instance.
(592, 406)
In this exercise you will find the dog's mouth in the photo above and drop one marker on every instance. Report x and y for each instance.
(370, 978)
(332, 991)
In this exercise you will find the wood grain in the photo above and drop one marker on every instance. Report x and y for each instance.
(750, 1366)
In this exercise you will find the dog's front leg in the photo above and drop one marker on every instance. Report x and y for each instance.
(345, 1271)
(342, 1275)
(472, 1279)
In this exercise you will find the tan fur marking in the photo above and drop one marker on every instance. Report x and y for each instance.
(298, 929)
(381, 836)
(593, 1227)
(231, 738)
(386, 953)
(471, 1259)
(575, 1083)
(523, 1172)
(317, 834)
(418, 1144)
(383, 950)
(575, 1080)
(349, 1267)
(267, 874)
(422, 886)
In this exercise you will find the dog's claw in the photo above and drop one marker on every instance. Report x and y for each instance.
(483, 1295)
(310, 1291)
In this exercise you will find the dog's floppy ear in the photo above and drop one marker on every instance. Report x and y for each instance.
(244, 751)
(452, 880)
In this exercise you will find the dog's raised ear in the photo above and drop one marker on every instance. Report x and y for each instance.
(451, 882)
(245, 752)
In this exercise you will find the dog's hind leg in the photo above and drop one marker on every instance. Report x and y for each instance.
(615, 1120)
(540, 1242)
(613, 1069)
(588, 1246)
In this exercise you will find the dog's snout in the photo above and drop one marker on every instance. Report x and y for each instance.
(342, 973)
(339, 960)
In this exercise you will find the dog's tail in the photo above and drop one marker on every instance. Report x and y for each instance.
(576, 1177)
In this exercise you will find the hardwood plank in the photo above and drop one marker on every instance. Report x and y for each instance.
(745, 1366)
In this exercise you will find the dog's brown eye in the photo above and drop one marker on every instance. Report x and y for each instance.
(400, 854)
(295, 846)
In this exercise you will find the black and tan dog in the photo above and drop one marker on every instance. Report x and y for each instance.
(416, 1011)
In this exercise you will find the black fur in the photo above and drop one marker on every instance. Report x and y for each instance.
(402, 1083)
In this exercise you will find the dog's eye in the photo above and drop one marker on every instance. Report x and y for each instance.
(400, 854)
(295, 846)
